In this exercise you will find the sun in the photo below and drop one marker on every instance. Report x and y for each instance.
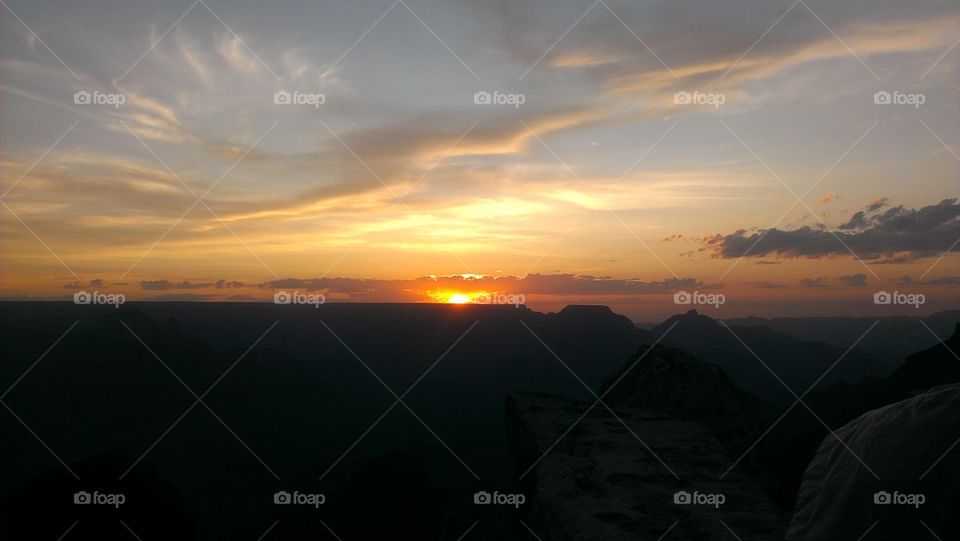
(458, 298)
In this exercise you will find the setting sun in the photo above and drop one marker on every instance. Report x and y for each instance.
(458, 298)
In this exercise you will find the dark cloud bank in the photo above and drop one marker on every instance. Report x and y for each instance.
(897, 234)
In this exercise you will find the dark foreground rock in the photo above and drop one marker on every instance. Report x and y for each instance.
(604, 480)
(908, 455)
(669, 381)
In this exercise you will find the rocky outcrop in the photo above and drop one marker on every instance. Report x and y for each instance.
(928, 368)
(892, 454)
(669, 381)
(592, 477)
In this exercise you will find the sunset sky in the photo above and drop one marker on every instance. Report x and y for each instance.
(602, 186)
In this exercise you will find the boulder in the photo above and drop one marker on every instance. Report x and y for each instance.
(907, 485)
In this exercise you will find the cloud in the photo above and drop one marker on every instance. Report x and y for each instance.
(854, 280)
(532, 284)
(184, 297)
(897, 235)
(163, 285)
(857, 221)
(149, 119)
(76, 285)
(235, 52)
(860, 220)
(432, 288)
(877, 204)
(898, 260)
(939, 281)
(815, 282)
(767, 285)
(200, 97)
(703, 44)
(944, 281)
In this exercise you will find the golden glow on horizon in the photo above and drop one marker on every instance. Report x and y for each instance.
(457, 297)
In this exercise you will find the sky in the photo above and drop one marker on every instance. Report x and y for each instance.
(762, 158)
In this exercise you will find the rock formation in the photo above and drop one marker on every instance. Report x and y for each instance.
(605, 480)
(891, 458)
(669, 381)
